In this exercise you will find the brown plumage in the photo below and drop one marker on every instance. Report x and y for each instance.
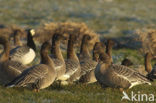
(109, 45)
(57, 57)
(117, 76)
(73, 68)
(126, 62)
(8, 69)
(39, 76)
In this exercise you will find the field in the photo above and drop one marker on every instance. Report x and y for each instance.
(117, 19)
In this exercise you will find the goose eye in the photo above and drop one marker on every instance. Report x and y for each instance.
(32, 32)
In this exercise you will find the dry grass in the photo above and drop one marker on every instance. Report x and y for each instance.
(9, 30)
(46, 32)
(148, 39)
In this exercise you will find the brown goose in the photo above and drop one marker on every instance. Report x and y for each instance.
(25, 54)
(57, 57)
(84, 52)
(109, 46)
(148, 67)
(126, 62)
(8, 69)
(73, 68)
(16, 36)
(117, 76)
(88, 65)
(39, 76)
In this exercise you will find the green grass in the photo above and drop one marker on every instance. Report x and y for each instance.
(79, 93)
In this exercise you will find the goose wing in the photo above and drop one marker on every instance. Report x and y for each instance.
(16, 66)
(19, 51)
(87, 65)
(32, 75)
(129, 74)
(58, 64)
(71, 67)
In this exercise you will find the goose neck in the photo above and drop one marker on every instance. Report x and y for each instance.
(55, 50)
(109, 49)
(17, 41)
(45, 59)
(148, 66)
(84, 49)
(30, 42)
(70, 51)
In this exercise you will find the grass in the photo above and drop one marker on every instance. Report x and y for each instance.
(80, 93)
(117, 18)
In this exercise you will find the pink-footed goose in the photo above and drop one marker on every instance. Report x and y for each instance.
(109, 44)
(117, 76)
(148, 67)
(84, 51)
(73, 68)
(88, 65)
(57, 57)
(8, 69)
(38, 76)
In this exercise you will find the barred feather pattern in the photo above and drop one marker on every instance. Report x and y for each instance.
(19, 51)
(59, 67)
(71, 66)
(118, 76)
(87, 65)
(35, 75)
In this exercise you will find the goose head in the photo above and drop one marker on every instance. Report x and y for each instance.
(45, 47)
(59, 37)
(99, 47)
(104, 58)
(30, 32)
(127, 62)
(86, 38)
(30, 41)
(110, 42)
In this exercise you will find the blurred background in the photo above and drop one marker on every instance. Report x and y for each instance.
(115, 19)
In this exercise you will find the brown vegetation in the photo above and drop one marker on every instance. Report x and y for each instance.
(46, 31)
(148, 39)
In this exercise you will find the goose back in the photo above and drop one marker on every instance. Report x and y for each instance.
(8, 69)
(24, 54)
(39, 76)
(118, 76)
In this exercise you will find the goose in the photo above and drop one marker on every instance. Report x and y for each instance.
(25, 54)
(73, 68)
(88, 76)
(8, 69)
(148, 67)
(117, 76)
(87, 63)
(39, 76)
(16, 36)
(84, 52)
(126, 62)
(110, 43)
(57, 57)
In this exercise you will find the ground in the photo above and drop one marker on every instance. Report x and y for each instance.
(109, 18)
